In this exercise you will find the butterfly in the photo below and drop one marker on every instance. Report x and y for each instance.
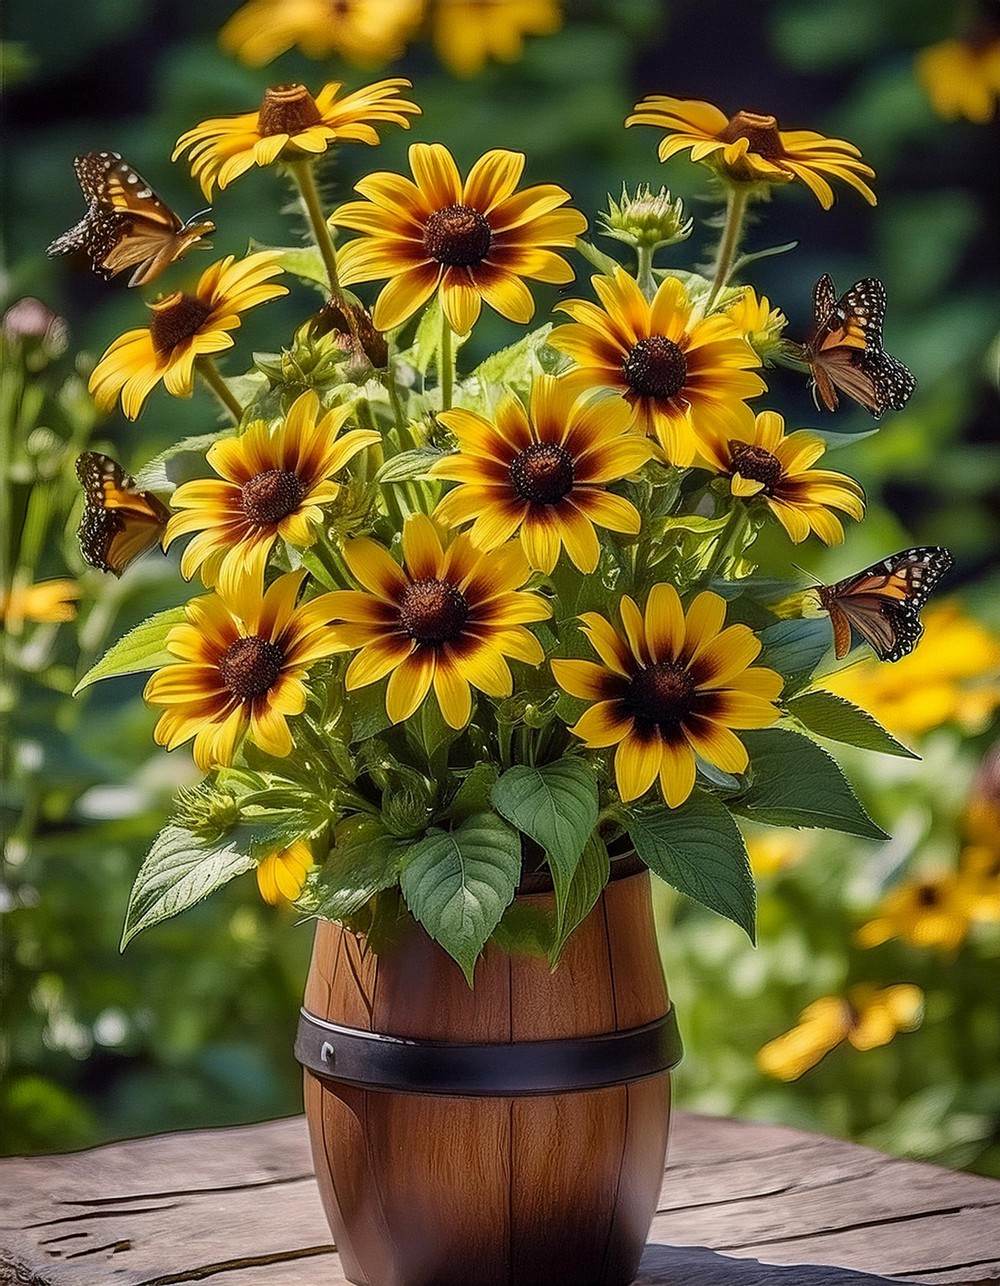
(845, 350)
(119, 521)
(883, 602)
(127, 225)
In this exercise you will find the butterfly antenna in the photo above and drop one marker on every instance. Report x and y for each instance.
(810, 575)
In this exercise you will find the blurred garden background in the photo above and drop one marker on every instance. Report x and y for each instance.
(194, 1024)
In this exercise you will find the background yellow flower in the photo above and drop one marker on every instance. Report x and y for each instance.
(470, 33)
(962, 77)
(47, 602)
(363, 31)
(281, 876)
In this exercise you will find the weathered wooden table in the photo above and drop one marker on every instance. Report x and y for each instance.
(742, 1205)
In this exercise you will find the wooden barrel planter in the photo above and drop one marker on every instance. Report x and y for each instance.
(509, 1135)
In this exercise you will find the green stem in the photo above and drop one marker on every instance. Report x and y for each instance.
(729, 537)
(729, 243)
(446, 364)
(644, 271)
(602, 262)
(209, 372)
(305, 181)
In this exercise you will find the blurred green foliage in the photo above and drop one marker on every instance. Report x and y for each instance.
(194, 1024)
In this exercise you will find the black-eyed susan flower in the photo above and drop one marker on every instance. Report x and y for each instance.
(932, 910)
(683, 376)
(281, 876)
(240, 670)
(49, 602)
(272, 483)
(470, 33)
(867, 1017)
(474, 240)
(183, 328)
(365, 32)
(766, 462)
(673, 687)
(759, 324)
(542, 473)
(449, 617)
(290, 125)
(961, 77)
(750, 148)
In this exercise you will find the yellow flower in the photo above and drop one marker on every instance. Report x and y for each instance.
(980, 874)
(543, 473)
(962, 77)
(952, 677)
(927, 911)
(49, 602)
(467, 33)
(289, 125)
(867, 1017)
(473, 240)
(364, 32)
(241, 666)
(273, 483)
(758, 323)
(184, 327)
(772, 852)
(682, 375)
(281, 876)
(672, 688)
(449, 617)
(749, 147)
(765, 462)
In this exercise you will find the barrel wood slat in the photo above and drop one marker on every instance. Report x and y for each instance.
(742, 1204)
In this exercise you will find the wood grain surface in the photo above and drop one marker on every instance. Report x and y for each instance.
(742, 1204)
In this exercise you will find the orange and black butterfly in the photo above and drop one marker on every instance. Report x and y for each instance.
(845, 349)
(127, 225)
(119, 521)
(883, 602)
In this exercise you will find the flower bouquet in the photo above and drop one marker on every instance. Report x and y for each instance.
(478, 649)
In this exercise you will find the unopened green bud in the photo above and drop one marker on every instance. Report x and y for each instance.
(406, 812)
(646, 220)
(207, 810)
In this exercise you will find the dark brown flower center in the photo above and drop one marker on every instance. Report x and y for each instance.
(269, 497)
(287, 109)
(928, 895)
(458, 235)
(542, 473)
(756, 464)
(433, 611)
(176, 318)
(655, 367)
(250, 666)
(760, 131)
(661, 695)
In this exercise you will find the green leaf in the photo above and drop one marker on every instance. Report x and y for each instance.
(526, 930)
(556, 805)
(141, 649)
(182, 462)
(179, 870)
(794, 782)
(364, 860)
(473, 796)
(511, 370)
(835, 718)
(795, 648)
(586, 886)
(367, 713)
(458, 884)
(304, 262)
(409, 466)
(699, 850)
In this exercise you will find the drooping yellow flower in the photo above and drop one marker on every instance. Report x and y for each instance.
(933, 910)
(474, 240)
(682, 375)
(758, 323)
(952, 677)
(365, 32)
(542, 473)
(749, 147)
(281, 876)
(867, 1017)
(272, 484)
(184, 327)
(289, 125)
(674, 687)
(962, 77)
(777, 467)
(470, 33)
(49, 602)
(241, 669)
(449, 617)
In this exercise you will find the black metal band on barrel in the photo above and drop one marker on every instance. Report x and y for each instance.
(379, 1062)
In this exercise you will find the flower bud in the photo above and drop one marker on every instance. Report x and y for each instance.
(646, 220)
(207, 810)
(42, 334)
(760, 324)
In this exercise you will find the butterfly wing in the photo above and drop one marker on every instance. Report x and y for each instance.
(884, 601)
(119, 521)
(824, 299)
